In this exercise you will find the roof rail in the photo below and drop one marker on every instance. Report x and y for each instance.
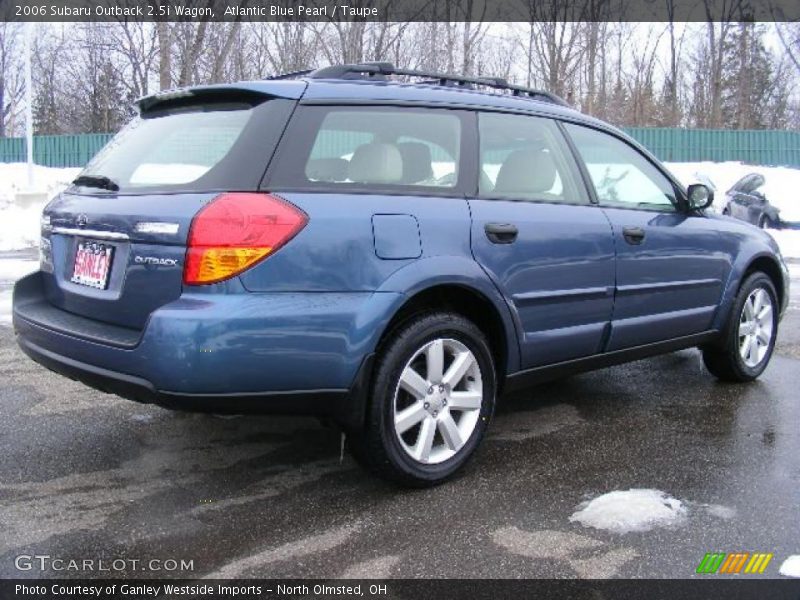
(291, 75)
(381, 70)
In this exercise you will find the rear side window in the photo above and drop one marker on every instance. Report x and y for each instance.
(525, 158)
(371, 148)
(196, 147)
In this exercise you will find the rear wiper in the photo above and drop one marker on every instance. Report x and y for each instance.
(97, 181)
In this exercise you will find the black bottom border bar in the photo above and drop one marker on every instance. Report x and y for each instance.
(439, 589)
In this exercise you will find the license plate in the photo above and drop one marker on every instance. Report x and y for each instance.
(92, 264)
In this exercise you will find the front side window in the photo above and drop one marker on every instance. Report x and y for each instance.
(622, 177)
(371, 147)
(524, 158)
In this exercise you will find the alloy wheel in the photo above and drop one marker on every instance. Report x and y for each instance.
(437, 401)
(755, 327)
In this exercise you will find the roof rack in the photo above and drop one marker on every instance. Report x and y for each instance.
(381, 71)
(291, 75)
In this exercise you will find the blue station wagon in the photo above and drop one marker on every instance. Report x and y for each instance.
(387, 249)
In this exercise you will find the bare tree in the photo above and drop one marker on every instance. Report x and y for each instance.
(12, 83)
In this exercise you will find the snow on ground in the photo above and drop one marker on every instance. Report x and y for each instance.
(791, 566)
(19, 226)
(631, 510)
(12, 269)
(5, 308)
(788, 240)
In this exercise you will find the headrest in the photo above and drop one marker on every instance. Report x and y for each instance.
(376, 162)
(327, 169)
(417, 163)
(526, 172)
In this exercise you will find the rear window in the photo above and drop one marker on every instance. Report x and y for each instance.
(372, 148)
(210, 146)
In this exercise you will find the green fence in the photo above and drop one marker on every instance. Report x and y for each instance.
(762, 147)
(55, 150)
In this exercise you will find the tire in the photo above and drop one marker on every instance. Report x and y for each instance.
(765, 222)
(401, 456)
(726, 361)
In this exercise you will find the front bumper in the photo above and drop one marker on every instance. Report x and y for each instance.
(285, 353)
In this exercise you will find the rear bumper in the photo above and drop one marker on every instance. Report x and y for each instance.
(344, 406)
(306, 353)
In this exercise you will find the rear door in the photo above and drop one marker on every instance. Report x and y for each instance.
(536, 234)
(670, 267)
(114, 244)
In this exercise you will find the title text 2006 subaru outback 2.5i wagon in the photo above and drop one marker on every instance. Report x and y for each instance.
(388, 254)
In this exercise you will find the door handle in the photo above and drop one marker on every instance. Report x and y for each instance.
(501, 233)
(633, 235)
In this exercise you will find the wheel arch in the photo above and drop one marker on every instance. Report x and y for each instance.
(467, 301)
(762, 261)
(459, 284)
(769, 266)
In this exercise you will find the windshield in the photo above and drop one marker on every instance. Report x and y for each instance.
(192, 148)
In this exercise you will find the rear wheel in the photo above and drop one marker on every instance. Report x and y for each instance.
(750, 336)
(432, 397)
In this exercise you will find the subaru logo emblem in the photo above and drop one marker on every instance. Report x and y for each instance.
(82, 221)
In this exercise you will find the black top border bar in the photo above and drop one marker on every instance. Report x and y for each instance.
(401, 10)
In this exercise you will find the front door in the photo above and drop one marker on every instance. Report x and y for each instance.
(534, 231)
(669, 268)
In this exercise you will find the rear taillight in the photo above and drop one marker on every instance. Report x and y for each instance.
(235, 231)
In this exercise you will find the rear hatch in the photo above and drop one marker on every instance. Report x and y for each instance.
(114, 244)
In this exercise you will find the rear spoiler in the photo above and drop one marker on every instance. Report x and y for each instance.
(292, 90)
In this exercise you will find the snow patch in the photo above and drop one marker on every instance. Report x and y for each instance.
(791, 566)
(632, 510)
(19, 225)
(720, 511)
(12, 269)
(5, 307)
(788, 241)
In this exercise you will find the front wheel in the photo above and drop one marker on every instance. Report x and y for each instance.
(749, 339)
(432, 397)
(766, 223)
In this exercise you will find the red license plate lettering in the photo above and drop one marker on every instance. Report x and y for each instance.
(92, 265)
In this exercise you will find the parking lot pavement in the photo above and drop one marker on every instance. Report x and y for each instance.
(85, 475)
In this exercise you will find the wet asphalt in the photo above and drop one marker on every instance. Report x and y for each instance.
(85, 475)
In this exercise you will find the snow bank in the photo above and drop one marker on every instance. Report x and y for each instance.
(19, 226)
(12, 269)
(791, 566)
(788, 240)
(781, 184)
(632, 510)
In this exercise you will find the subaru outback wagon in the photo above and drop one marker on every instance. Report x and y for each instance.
(386, 249)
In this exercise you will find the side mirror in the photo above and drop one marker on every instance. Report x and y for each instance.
(700, 196)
